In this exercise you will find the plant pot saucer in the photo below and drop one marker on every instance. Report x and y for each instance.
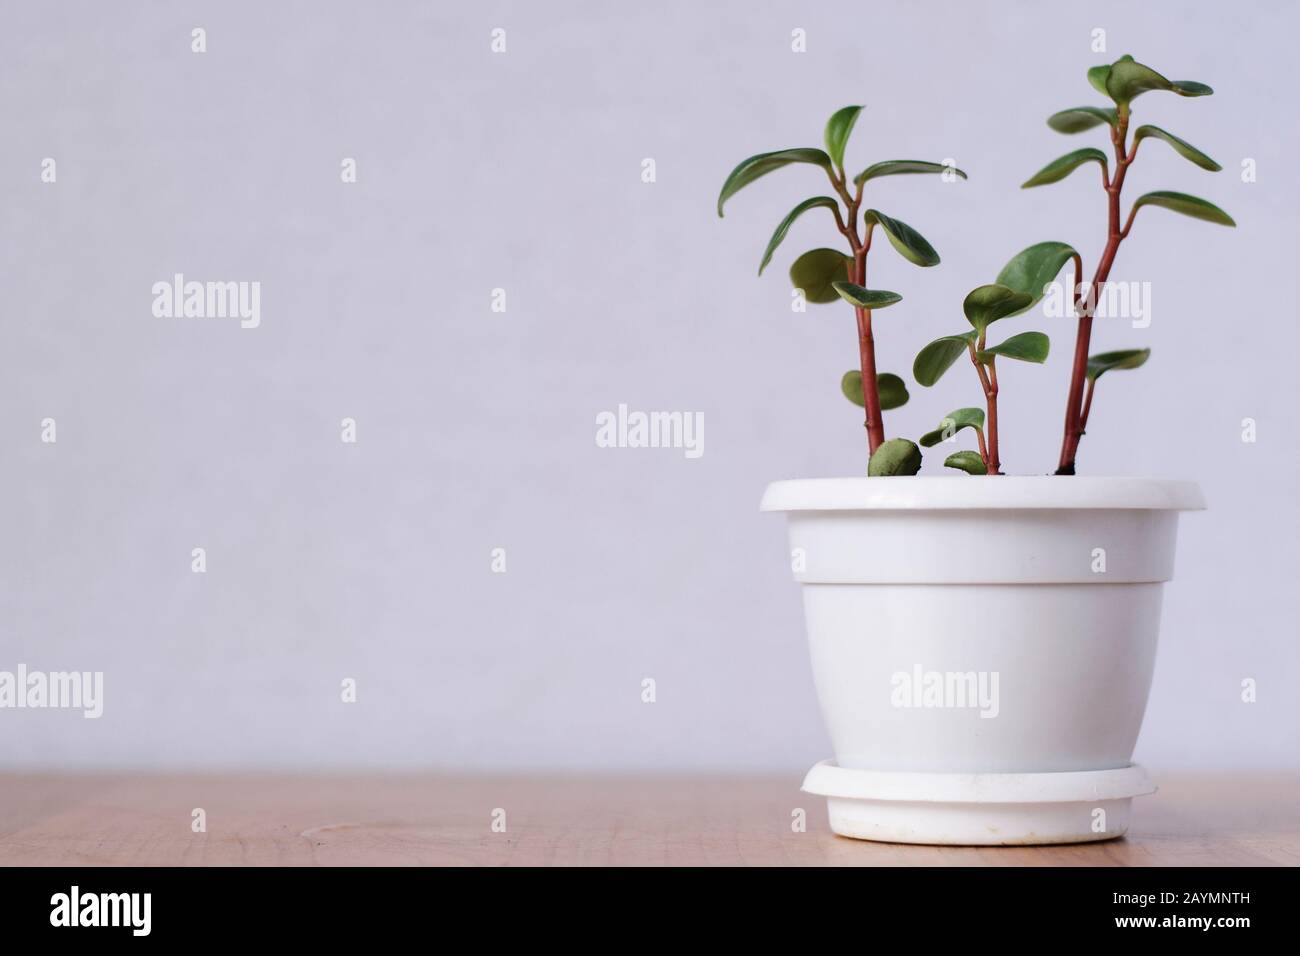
(978, 809)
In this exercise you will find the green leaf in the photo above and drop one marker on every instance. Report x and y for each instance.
(764, 163)
(937, 357)
(952, 423)
(899, 167)
(851, 386)
(815, 271)
(910, 244)
(1097, 77)
(898, 456)
(1080, 118)
(865, 298)
(1103, 362)
(988, 303)
(788, 221)
(889, 387)
(1181, 147)
(1025, 347)
(838, 129)
(892, 391)
(1185, 204)
(1058, 169)
(1128, 79)
(1033, 269)
(967, 461)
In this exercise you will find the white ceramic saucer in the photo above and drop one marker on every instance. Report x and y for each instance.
(978, 809)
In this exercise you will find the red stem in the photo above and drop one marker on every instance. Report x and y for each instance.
(1074, 411)
(866, 341)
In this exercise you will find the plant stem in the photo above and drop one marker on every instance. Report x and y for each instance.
(989, 382)
(866, 341)
(984, 451)
(1087, 406)
(1074, 410)
(867, 358)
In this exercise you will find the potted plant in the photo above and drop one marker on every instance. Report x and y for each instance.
(982, 646)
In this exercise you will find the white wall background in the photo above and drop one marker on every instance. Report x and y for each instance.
(522, 171)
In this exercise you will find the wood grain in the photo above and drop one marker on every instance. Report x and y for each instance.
(573, 821)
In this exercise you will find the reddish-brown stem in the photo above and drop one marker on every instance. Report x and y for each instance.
(867, 357)
(1087, 405)
(866, 340)
(989, 382)
(1073, 430)
(984, 450)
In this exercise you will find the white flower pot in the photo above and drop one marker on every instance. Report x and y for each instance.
(982, 648)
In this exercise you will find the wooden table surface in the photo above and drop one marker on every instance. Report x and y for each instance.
(580, 820)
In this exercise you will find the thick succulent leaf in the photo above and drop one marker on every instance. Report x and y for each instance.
(899, 167)
(1058, 169)
(967, 461)
(1033, 269)
(1128, 79)
(1103, 362)
(1181, 147)
(814, 272)
(1097, 77)
(1080, 118)
(937, 357)
(851, 386)
(988, 303)
(952, 423)
(1187, 205)
(892, 391)
(910, 244)
(1025, 347)
(898, 456)
(889, 387)
(788, 221)
(838, 129)
(764, 163)
(865, 298)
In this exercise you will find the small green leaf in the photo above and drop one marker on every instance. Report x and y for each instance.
(838, 129)
(1025, 347)
(815, 271)
(788, 221)
(865, 298)
(892, 391)
(1103, 362)
(899, 167)
(952, 423)
(988, 303)
(1128, 79)
(1097, 77)
(1032, 270)
(1058, 169)
(898, 456)
(851, 386)
(967, 461)
(1181, 147)
(889, 387)
(937, 357)
(1080, 118)
(764, 163)
(910, 244)
(1185, 204)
